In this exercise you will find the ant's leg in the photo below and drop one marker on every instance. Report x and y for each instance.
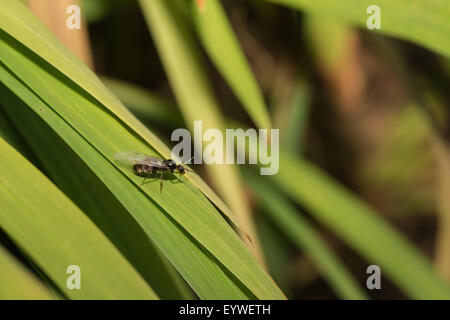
(148, 176)
(161, 181)
(143, 181)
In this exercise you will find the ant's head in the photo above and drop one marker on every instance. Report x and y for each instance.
(170, 164)
(180, 169)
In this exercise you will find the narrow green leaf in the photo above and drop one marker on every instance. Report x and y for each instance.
(185, 70)
(60, 163)
(303, 234)
(12, 136)
(222, 46)
(424, 22)
(55, 234)
(278, 255)
(201, 234)
(21, 24)
(293, 117)
(145, 104)
(198, 267)
(17, 283)
(361, 227)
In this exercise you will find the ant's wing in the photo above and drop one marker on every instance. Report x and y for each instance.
(132, 158)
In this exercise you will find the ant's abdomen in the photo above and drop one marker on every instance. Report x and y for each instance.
(142, 170)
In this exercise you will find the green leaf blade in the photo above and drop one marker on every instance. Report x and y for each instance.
(55, 233)
(221, 44)
(424, 22)
(302, 233)
(361, 228)
(18, 283)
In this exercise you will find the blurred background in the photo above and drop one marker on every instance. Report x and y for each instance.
(369, 111)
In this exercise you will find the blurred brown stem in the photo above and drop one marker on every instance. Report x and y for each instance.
(443, 238)
(53, 14)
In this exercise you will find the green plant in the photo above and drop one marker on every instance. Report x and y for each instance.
(65, 201)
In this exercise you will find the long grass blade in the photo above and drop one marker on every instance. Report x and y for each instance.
(303, 234)
(361, 227)
(182, 62)
(60, 163)
(54, 233)
(21, 24)
(424, 22)
(18, 283)
(222, 46)
(203, 239)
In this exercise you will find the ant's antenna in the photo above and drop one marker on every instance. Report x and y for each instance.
(187, 169)
(189, 160)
